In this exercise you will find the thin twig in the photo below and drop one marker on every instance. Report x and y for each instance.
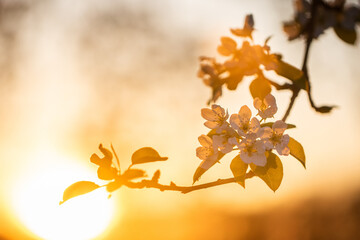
(309, 38)
(182, 189)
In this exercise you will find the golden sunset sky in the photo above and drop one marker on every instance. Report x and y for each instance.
(78, 73)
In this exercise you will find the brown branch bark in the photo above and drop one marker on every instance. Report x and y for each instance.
(309, 31)
(182, 189)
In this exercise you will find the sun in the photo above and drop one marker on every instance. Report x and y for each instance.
(36, 201)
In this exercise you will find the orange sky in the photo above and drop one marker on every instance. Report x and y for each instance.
(125, 72)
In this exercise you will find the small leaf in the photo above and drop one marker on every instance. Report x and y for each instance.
(233, 81)
(145, 155)
(270, 124)
(133, 173)
(77, 189)
(105, 161)
(297, 151)
(238, 168)
(205, 165)
(292, 29)
(292, 73)
(112, 186)
(325, 109)
(271, 173)
(347, 35)
(106, 173)
(227, 47)
(156, 176)
(260, 87)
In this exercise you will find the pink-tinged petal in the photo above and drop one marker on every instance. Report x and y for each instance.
(270, 112)
(233, 141)
(267, 132)
(279, 127)
(244, 114)
(209, 114)
(270, 100)
(257, 103)
(259, 160)
(211, 125)
(235, 121)
(219, 111)
(285, 139)
(245, 157)
(226, 148)
(205, 141)
(217, 141)
(254, 125)
(286, 151)
(268, 144)
(282, 149)
(202, 152)
(259, 146)
(250, 138)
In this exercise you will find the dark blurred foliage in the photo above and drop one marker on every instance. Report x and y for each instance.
(11, 16)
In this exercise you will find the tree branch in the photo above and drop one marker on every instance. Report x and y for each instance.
(182, 189)
(309, 38)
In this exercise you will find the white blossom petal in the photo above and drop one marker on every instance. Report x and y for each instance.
(209, 114)
(218, 110)
(245, 157)
(205, 141)
(211, 125)
(257, 103)
(270, 100)
(202, 152)
(235, 121)
(254, 125)
(279, 127)
(244, 114)
(259, 159)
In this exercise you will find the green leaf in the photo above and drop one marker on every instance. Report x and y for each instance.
(271, 173)
(145, 155)
(270, 124)
(297, 151)
(238, 168)
(347, 35)
(77, 189)
(260, 87)
(204, 166)
(133, 173)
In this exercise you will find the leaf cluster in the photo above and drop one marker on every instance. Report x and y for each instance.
(109, 170)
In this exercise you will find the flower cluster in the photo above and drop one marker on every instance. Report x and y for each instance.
(244, 133)
(244, 59)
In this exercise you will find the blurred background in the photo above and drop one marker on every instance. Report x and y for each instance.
(74, 74)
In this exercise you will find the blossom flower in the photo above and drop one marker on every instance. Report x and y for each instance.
(206, 151)
(242, 124)
(221, 143)
(274, 138)
(267, 107)
(216, 118)
(252, 150)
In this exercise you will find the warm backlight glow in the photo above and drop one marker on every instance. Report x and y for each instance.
(36, 200)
